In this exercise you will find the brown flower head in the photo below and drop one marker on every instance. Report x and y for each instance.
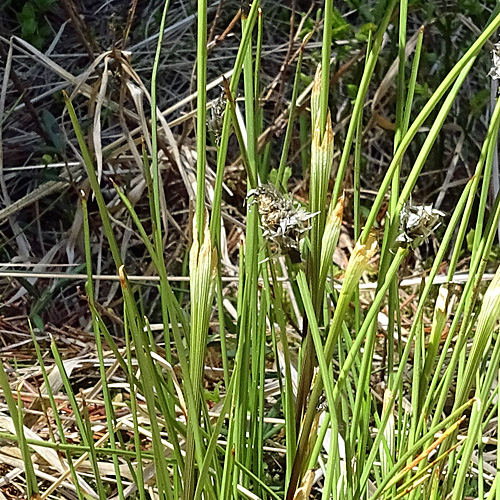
(495, 68)
(216, 118)
(417, 222)
(283, 221)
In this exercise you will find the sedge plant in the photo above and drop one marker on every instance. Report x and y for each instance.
(308, 403)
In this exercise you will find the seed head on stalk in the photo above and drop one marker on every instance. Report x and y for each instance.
(283, 221)
(417, 223)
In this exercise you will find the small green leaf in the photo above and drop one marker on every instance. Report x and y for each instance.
(364, 32)
(352, 91)
(470, 240)
(286, 175)
(37, 322)
(28, 11)
(53, 130)
(273, 176)
(29, 26)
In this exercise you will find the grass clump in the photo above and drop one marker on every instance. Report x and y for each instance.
(311, 375)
